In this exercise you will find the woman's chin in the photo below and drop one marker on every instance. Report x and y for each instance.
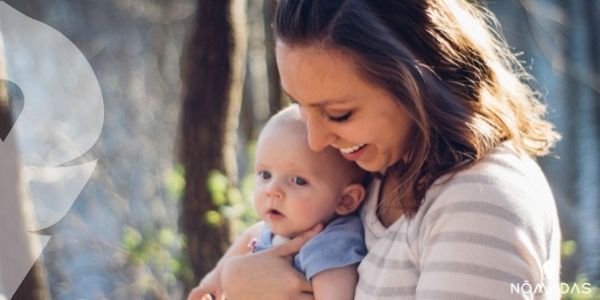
(370, 166)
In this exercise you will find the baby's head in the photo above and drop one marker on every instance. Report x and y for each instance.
(296, 188)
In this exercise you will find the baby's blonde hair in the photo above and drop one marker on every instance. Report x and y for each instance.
(289, 119)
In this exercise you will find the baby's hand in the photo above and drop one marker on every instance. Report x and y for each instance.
(209, 285)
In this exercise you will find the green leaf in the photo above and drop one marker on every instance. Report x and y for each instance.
(568, 248)
(212, 218)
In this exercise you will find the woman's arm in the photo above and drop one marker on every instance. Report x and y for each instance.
(269, 274)
(211, 283)
(335, 284)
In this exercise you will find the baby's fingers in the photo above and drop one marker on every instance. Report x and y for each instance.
(219, 295)
(199, 293)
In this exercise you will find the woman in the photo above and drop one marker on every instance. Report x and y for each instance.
(426, 95)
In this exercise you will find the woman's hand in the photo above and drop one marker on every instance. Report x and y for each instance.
(268, 274)
(209, 286)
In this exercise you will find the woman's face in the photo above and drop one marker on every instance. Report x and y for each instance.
(341, 109)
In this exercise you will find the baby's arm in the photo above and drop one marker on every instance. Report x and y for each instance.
(338, 283)
(211, 283)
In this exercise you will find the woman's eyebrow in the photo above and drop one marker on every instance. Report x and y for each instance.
(322, 103)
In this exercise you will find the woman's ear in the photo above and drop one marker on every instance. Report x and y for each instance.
(351, 199)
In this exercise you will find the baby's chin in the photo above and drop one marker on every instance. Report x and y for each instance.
(284, 233)
(279, 239)
(287, 233)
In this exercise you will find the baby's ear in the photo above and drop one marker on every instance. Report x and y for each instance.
(351, 199)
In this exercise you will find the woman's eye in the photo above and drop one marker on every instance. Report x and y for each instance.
(299, 181)
(264, 175)
(341, 118)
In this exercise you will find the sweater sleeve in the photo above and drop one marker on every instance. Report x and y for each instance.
(487, 239)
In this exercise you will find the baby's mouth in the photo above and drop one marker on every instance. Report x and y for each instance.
(274, 212)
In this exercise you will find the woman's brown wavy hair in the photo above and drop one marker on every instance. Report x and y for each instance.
(447, 65)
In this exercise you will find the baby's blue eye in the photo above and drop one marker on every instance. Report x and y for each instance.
(299, 181)
(264, 175)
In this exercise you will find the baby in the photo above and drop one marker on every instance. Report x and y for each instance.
(296, 189)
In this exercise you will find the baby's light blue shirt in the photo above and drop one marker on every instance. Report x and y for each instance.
(340, 244)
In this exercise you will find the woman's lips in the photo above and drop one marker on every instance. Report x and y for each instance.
(354, 155)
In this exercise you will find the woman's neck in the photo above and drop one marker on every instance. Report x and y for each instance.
(387, 214)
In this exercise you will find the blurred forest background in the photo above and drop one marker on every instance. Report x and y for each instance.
(186, 86)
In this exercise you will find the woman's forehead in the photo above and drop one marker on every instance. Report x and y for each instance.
(319, 77)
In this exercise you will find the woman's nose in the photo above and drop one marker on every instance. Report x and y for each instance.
(319, 136)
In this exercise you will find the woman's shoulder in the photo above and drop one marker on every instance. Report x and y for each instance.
(499, 210)
(505, 184)
(504, 170)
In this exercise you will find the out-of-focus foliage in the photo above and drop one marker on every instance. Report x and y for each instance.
(234, 203)
(152, 247)
(175, 182)
(156, 251)
(580, 289)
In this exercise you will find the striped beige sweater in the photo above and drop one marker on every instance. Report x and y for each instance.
(485, 234)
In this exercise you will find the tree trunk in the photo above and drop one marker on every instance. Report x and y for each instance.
(33, 286)
(213, 79)
(276, 99)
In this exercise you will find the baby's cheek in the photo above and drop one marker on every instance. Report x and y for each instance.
(257, 199)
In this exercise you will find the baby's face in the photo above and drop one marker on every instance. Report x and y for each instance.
(296, 188)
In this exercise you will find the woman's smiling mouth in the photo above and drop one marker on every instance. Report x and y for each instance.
(352, 153)
(350, 150)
